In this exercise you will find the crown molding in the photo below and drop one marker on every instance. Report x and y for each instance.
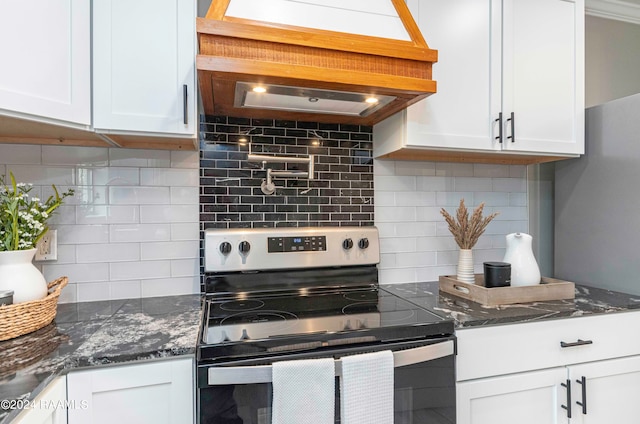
(613, 9)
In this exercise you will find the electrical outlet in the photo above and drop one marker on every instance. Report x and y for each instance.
(47, 247)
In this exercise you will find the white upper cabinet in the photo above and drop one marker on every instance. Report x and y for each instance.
(496, 58)
(46, 67)
(144, 66)
(543, 75)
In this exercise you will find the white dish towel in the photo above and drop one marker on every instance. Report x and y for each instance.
(303, 392)
(366, 388)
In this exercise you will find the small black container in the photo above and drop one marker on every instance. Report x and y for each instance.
(497, 274)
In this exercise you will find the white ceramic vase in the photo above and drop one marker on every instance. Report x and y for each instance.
(465, 266)
(524, 268)
(18, 273)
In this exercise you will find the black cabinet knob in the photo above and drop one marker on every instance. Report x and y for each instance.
(225, 248)
(347, 244)
(363, 243)
(244, 247)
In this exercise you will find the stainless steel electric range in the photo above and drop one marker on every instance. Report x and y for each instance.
(297, 293)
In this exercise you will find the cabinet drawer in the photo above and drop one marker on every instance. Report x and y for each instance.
(505, 349)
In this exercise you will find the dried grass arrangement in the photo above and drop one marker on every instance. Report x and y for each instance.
(467, 230)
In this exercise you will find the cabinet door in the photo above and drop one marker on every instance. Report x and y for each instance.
(462, 113)
(153, 393)
(543, 71)
(524, 398)
(143, 58)
(612, 391)
(49, 406)
(45, 50)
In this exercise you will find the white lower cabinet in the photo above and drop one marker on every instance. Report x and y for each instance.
(154, 393)
(578, 370)
(525, 398)
(49, 407)
(611, 394)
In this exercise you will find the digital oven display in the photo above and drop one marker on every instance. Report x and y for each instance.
(297, 244)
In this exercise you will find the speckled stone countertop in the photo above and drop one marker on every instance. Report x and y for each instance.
(97, 333)
(588, 301)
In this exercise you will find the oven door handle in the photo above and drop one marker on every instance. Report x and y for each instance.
(218, 376)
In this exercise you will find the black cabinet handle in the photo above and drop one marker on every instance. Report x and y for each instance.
(185, 105)
(568, 405)
(499, 121)
(578, 343)
(583, 383)
(513, 127)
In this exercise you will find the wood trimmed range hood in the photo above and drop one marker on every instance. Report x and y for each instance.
(305, 73)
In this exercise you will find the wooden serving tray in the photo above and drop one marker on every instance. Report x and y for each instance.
(548, 289)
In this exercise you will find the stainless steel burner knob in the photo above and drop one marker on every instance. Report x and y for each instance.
(363, 243)
(347, 244)
(225, 247)
(244, 247)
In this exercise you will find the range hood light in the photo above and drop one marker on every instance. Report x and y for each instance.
(259, 89)
(371, 100)
(313, 99)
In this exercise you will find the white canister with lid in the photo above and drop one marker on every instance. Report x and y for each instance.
(524, 268)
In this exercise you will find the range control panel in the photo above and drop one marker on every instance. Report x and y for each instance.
(297, 244)
(287, 248)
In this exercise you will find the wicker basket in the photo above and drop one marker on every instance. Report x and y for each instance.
(26, 317)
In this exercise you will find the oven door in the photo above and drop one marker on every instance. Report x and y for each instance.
(240, 392)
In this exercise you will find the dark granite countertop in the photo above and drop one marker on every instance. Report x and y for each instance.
(97, 333)
(588, 301)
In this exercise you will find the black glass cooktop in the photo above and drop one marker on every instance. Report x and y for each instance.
(249, 324)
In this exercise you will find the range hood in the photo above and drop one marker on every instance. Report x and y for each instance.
(356, 61)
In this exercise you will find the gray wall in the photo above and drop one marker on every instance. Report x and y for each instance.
(597, 224)
(612, 59)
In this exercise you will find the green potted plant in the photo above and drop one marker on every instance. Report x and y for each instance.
(23, 221)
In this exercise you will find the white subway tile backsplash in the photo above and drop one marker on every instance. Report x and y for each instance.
(137, 195)
(185, 267)
(139, 270)
(472, 184)
(125, 289)
(117, 209)
(452, 198)
(190, 231)
(394, 214)
(169, 214)
(82, 234)
(434, 184)
(69, 294)
(74, 155)
(170, 250)
(42, 175)
(139, 158)
(490, 170)
(415, 168)
(412, 198)
(139, 232)
(169, 177)
(185, 196)
(170, 286)
(90, 292)
(394, 183)
(108, 252)
(517, 185)
(447, 169)
(20, 154)
(180, 159)
(415, 242)
(77, 273)
(108, 176)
